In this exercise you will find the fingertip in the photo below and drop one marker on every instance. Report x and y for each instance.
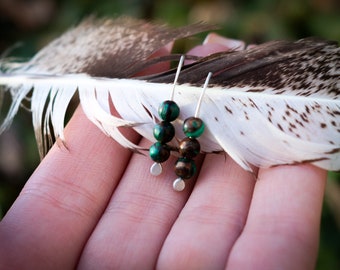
(158, 67)
(207, 49)
(215, 43)
(231, 44)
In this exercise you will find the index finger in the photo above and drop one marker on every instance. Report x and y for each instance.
(60, 204)
(51, 220)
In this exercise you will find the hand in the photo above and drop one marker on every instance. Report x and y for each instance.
(96, 206)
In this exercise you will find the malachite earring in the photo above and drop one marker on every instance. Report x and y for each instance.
(164, 131)
(189, 147)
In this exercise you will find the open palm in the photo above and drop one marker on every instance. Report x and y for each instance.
(95, 205)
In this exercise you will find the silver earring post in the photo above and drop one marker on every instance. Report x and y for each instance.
(189, 147)
(164, 131)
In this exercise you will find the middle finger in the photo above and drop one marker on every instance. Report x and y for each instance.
(212, 219)
(138, 218)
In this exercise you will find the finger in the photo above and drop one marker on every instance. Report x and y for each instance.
(231, 44)
(137, 220)
(162, 66)
(66, 194)
(211, 216)
(212, 219)
(282, 228)
(140, 212)
(214, 43)
(58, 208)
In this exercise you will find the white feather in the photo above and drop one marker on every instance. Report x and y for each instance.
(237, 121)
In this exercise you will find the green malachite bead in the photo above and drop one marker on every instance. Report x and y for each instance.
(189, 147)
(159, 152)
(185, 168)
(168, 110)
(193, 127)
(164, 132)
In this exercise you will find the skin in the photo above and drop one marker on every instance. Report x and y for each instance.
(95, 205)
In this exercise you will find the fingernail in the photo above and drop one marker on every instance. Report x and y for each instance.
(169, 46)
(232, 44)
(250, 46)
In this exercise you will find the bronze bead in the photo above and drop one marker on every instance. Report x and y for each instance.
(185, 168)
(189, 148)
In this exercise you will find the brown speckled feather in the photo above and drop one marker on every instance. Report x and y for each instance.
(277, 103)
(305, 67)
(108, 48)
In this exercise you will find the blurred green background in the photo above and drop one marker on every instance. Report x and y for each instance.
(29, 25)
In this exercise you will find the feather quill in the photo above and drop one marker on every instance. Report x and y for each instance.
(277, 103)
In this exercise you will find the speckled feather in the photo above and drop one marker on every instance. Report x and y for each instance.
(277, 103)
(111, 48)
(102, 47)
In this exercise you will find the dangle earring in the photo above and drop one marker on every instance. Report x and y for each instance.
(189, 147)
(164, 131)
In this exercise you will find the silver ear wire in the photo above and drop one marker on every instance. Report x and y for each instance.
(189, 147)
(202, 94)
(179, 68)
(164, 131)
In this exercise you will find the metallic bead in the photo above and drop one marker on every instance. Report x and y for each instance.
(156, 169)
(178, 184)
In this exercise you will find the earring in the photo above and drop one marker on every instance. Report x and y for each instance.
(164, 131)
(189, 147)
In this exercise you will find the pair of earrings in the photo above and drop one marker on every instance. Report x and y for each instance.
(164, 132)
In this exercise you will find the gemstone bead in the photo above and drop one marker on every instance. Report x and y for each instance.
(185, 168)
(189, 148)
(159, 152)
(193, 127)
(164, 132)
(168, 110)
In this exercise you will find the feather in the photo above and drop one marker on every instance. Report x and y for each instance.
(277, 103)
(109, 48)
